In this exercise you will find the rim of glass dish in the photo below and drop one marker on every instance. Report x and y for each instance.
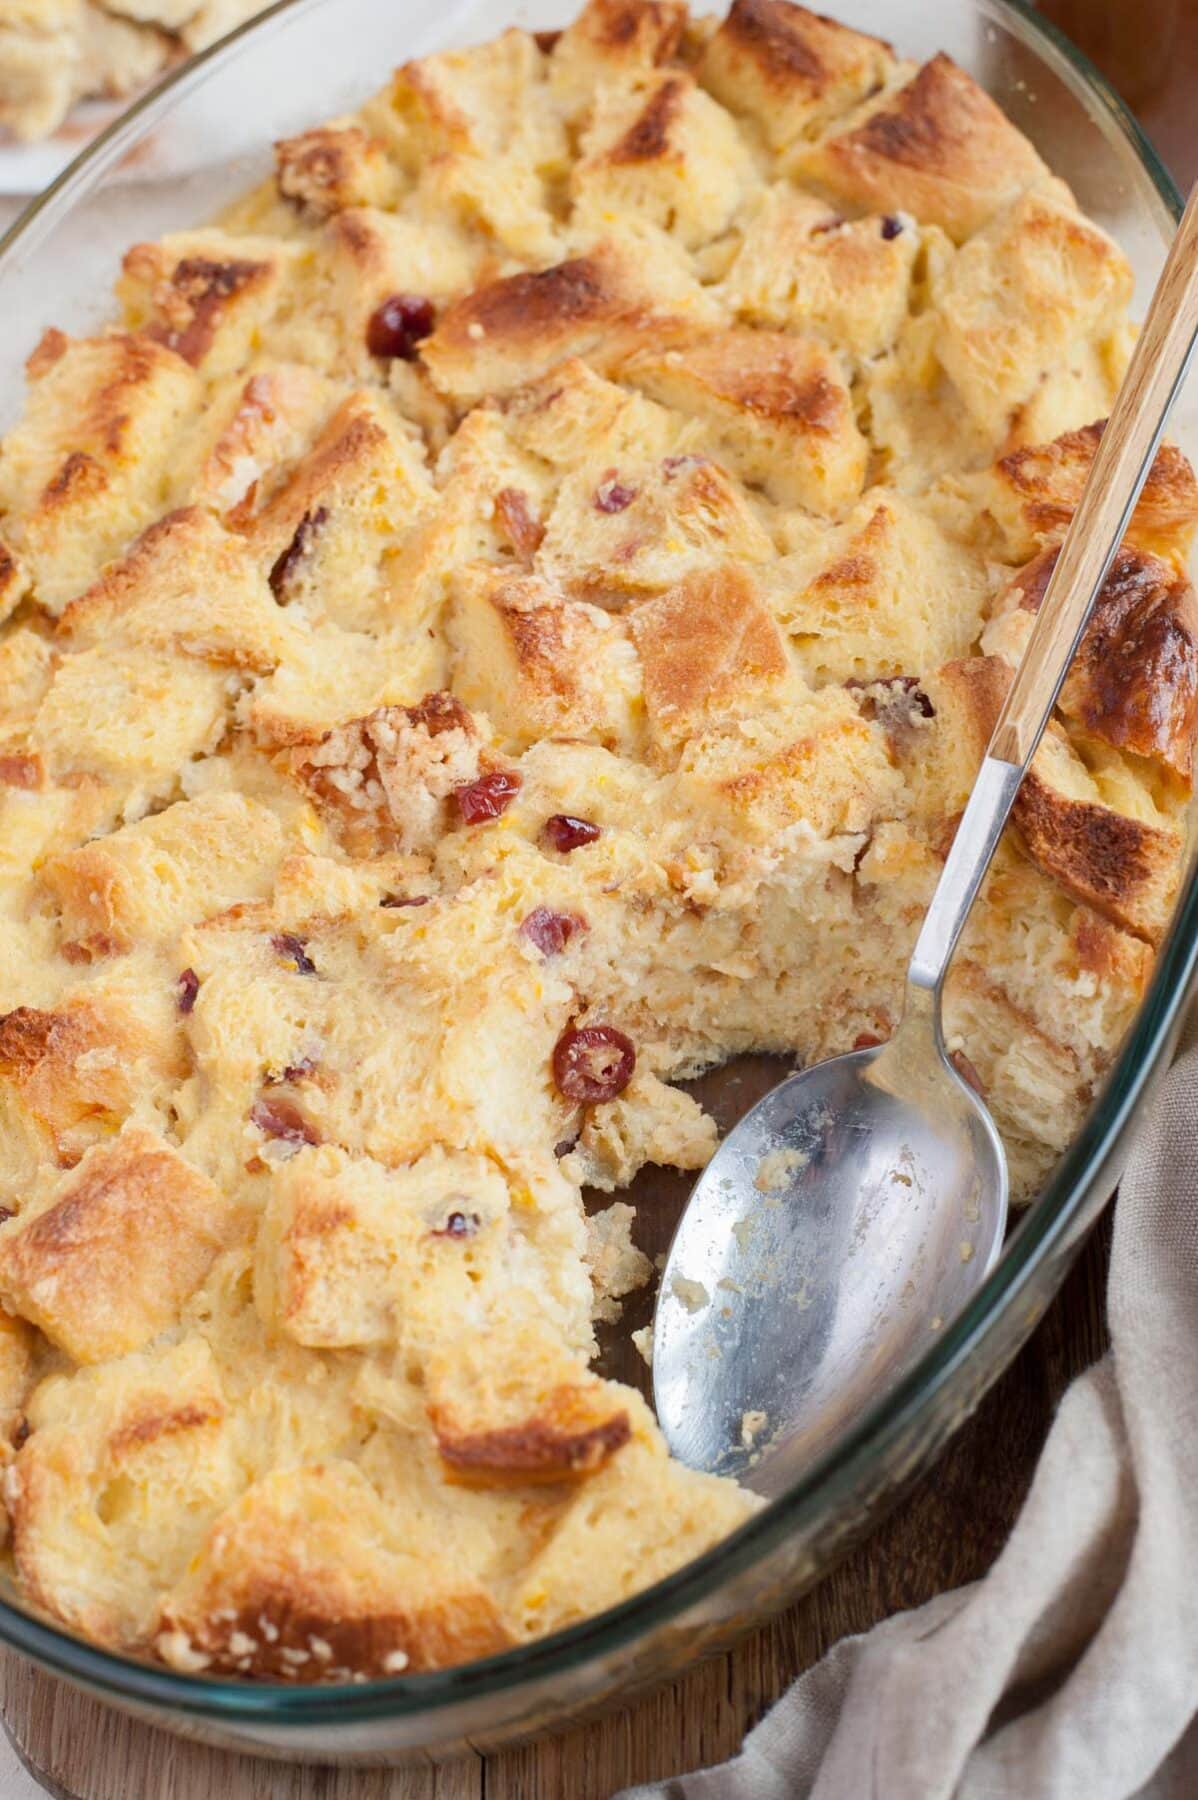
(834, 1473)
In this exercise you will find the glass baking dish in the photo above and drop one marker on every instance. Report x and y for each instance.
(178, 156)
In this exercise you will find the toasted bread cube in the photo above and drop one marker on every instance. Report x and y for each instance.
(573, 418)
(601, 306)
(131, 716)
(710, 649)
(82, 472)
(1033, 283)
(208, 295)
(540, 665)
(790, 70)
(251, 426)
(889, 593)
(938, 147)
(343, 1240)
(70, 1076)
(777, 408)
(638, 1520)
(511, 1408)
(368, 255)
(142, 884)
(109, 1497)
(613, 40)
(622, 532)
(306, 1578)
(185, 583)
(326, 536)
(1032, 494)
(333, 167)
(801, 268)
(818, 763)
(108, 1260)
(665, 153)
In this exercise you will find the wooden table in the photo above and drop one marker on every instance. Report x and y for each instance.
(947, 1532)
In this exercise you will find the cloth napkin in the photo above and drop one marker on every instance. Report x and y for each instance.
(1071, 1671)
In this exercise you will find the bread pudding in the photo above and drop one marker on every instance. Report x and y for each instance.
(54, 53)
(503, 622)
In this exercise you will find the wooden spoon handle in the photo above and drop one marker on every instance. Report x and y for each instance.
(1120, 468)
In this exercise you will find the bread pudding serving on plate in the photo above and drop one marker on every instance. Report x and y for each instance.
(503, 622)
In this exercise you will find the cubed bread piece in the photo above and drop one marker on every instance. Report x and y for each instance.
(937, 147)
(82, 472)
(639, 1519)
(70, 1076)
(332, 672)
(306, 1578)
(889, 593)
(485, 136)
(333, 167)
(623, 531)
(802, 268)
(540, 665)
(124, 1468)
(602, 306)
(143, 883)
(14, 582)
(343, 1240)
(664, 153)
(817, 763)
(1097, 834)
(327, 534)
(208, 295)
(387, 780)
(650, 1122)
(1032, 495)
(777, 409)
(107, 1260)
(131, 716)
(710, 649)
(188, 584)
(573, 418)
(1133, 683)
(613, 40)
(250, 427)
(1014, 302)
(791, 70)
(511, 1408)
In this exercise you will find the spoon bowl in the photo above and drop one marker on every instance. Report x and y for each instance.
(844, 1220)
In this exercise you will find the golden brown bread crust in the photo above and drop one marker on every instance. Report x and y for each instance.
(1043, 484)
(326, 170)
(572, 1436)
(937, 147)
(789, 68)
(1134, 681)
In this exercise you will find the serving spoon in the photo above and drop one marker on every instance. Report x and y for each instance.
(851, 1214)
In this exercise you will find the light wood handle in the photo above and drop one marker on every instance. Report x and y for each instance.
(1119, 470)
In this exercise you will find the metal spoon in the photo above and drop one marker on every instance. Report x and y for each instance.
(856, 1208)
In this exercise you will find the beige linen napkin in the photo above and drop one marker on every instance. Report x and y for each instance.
(1071, 1671)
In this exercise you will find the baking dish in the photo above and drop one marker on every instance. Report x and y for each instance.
(176, 158)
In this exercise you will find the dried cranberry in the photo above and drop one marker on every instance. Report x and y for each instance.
(611, 496)
(564, 1147)
(293, 950)
(187, 987)
(487, 797)
(459, 1225)
(593, 1063)
(392, 900)
(524, 531)
(297, 1070)
(551, 931)
(967, 1072)
(562, 831)
(6, 1213)
(891, 227)
(867, 1040)
(398, 325)
(674, 465)
(276, 1118)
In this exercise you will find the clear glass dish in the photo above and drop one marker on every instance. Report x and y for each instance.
(174, 160)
